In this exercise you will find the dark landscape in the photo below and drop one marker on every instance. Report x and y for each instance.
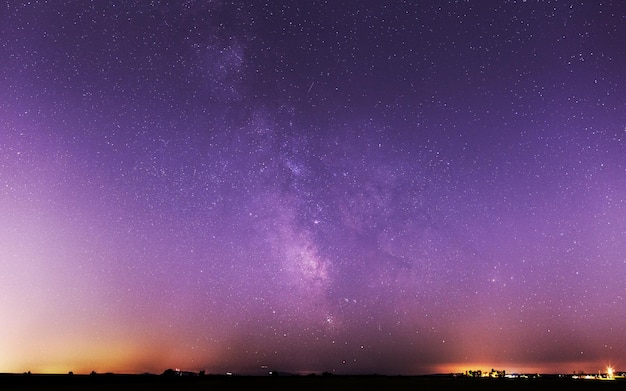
(121, 382)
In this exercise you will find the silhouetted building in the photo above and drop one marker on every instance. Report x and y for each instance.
(495, 373)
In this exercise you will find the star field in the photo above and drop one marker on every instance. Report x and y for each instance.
(388, 187)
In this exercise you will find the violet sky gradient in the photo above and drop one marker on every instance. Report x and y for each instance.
(392, 187)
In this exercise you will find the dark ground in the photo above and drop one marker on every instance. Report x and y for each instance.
(300, 383)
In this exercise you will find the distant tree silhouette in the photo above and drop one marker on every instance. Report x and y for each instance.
(169, 372)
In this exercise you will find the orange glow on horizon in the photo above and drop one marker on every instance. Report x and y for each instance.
(84, 356)
(566, 368)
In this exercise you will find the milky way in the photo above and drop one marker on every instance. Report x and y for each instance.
(355, 187)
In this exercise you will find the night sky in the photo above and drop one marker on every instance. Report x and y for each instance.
(391, 187)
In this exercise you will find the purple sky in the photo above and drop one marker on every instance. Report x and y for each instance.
(393, 187)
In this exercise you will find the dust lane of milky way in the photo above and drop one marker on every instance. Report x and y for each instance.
(361, 187)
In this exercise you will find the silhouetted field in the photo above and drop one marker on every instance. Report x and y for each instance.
(300, 383)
